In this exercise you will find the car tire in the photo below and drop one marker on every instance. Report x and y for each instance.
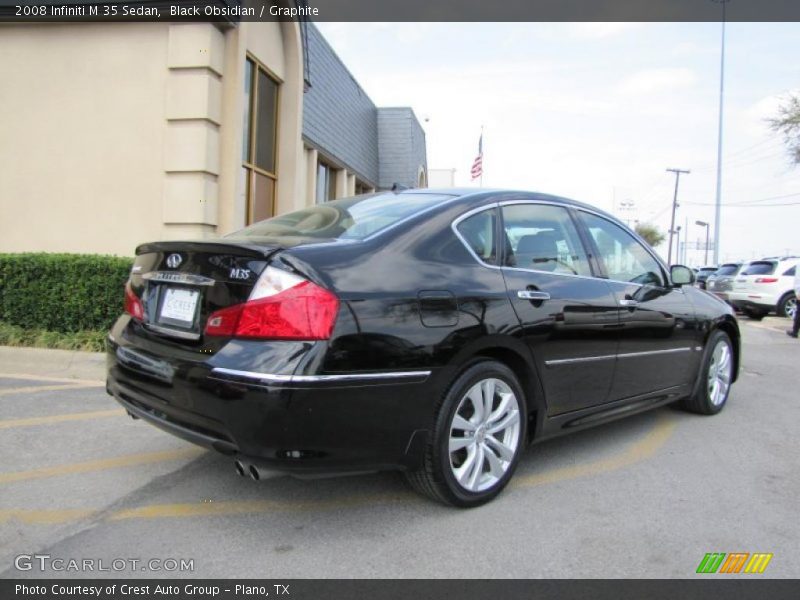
(715, 379)
(755, 315)
(468, 467)
(787, 305)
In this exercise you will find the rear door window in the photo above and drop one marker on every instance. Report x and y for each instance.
(478, 232)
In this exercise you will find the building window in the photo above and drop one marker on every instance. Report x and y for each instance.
(259, 146)
(362, 188)
(326, 182)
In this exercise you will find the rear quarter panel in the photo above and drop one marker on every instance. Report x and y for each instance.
(387, 320)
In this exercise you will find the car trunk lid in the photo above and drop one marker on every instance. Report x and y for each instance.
(179, 284)
(746, 280)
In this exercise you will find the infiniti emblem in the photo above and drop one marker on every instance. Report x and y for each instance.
(174, 261)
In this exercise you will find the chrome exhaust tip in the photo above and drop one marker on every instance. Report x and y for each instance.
(254, 473)
(240, 471)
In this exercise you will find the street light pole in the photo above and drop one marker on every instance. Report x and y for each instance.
(718, 200)
(674, 207)
(705, 224)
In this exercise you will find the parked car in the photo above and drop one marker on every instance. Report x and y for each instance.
(433, 332)
(766, 286)
(703, 274)
(720, 283)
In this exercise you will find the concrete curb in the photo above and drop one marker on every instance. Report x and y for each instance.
(67, 364)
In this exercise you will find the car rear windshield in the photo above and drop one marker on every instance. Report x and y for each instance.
(350, 218)
(759, 268)
(727, 270)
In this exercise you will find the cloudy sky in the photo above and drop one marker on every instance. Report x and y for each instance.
(598, 111)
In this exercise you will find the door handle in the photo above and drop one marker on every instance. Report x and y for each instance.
(533, 295)
(629, 302)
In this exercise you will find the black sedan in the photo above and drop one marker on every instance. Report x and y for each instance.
(433, 332)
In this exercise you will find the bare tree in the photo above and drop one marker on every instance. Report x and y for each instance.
(788, 123)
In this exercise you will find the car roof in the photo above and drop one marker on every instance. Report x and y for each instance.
(478, 195)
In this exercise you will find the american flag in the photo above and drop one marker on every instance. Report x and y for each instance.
(477, 165)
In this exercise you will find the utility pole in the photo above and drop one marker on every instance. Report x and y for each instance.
(718, 200)
(674, 208)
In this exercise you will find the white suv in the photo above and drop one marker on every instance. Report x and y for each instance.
(765, 286)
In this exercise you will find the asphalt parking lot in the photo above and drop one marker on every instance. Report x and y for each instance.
(644, 497)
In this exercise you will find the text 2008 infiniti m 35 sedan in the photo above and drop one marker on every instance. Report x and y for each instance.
(436, 332)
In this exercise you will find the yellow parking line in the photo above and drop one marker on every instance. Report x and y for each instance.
(644, 448)
(30, 421)
(233, 507)
(128, 460)
(641, 450)
(47, 388)
(32, 377)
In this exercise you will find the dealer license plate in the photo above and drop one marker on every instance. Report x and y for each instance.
(179, 306)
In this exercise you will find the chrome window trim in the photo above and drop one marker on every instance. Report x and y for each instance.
(457, 221)
(274, 378)
(566, 361)
(499, 205)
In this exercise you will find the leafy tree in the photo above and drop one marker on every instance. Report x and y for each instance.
(650, 234)
(788, 123)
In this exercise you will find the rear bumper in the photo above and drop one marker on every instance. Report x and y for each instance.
(751, 300)
(305, 424)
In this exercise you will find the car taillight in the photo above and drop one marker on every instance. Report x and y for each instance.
(282, 306)
(766, 279)
(133, 304)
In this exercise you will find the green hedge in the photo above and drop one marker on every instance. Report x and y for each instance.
(66, 293)
(92, 341)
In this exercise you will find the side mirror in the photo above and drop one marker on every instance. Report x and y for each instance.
(681, 275)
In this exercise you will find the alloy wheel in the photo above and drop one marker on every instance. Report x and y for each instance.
(484, 434)
(790, 307)
(720, 371)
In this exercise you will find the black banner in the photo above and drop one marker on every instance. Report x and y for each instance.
(744, 588)
(403, 10)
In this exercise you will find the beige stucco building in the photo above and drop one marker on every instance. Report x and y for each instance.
(115, 134)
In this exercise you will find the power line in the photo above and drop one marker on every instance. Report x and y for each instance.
(750, 202)
(746, 205)
(743, 161)
(751, 147)
(742, 153)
